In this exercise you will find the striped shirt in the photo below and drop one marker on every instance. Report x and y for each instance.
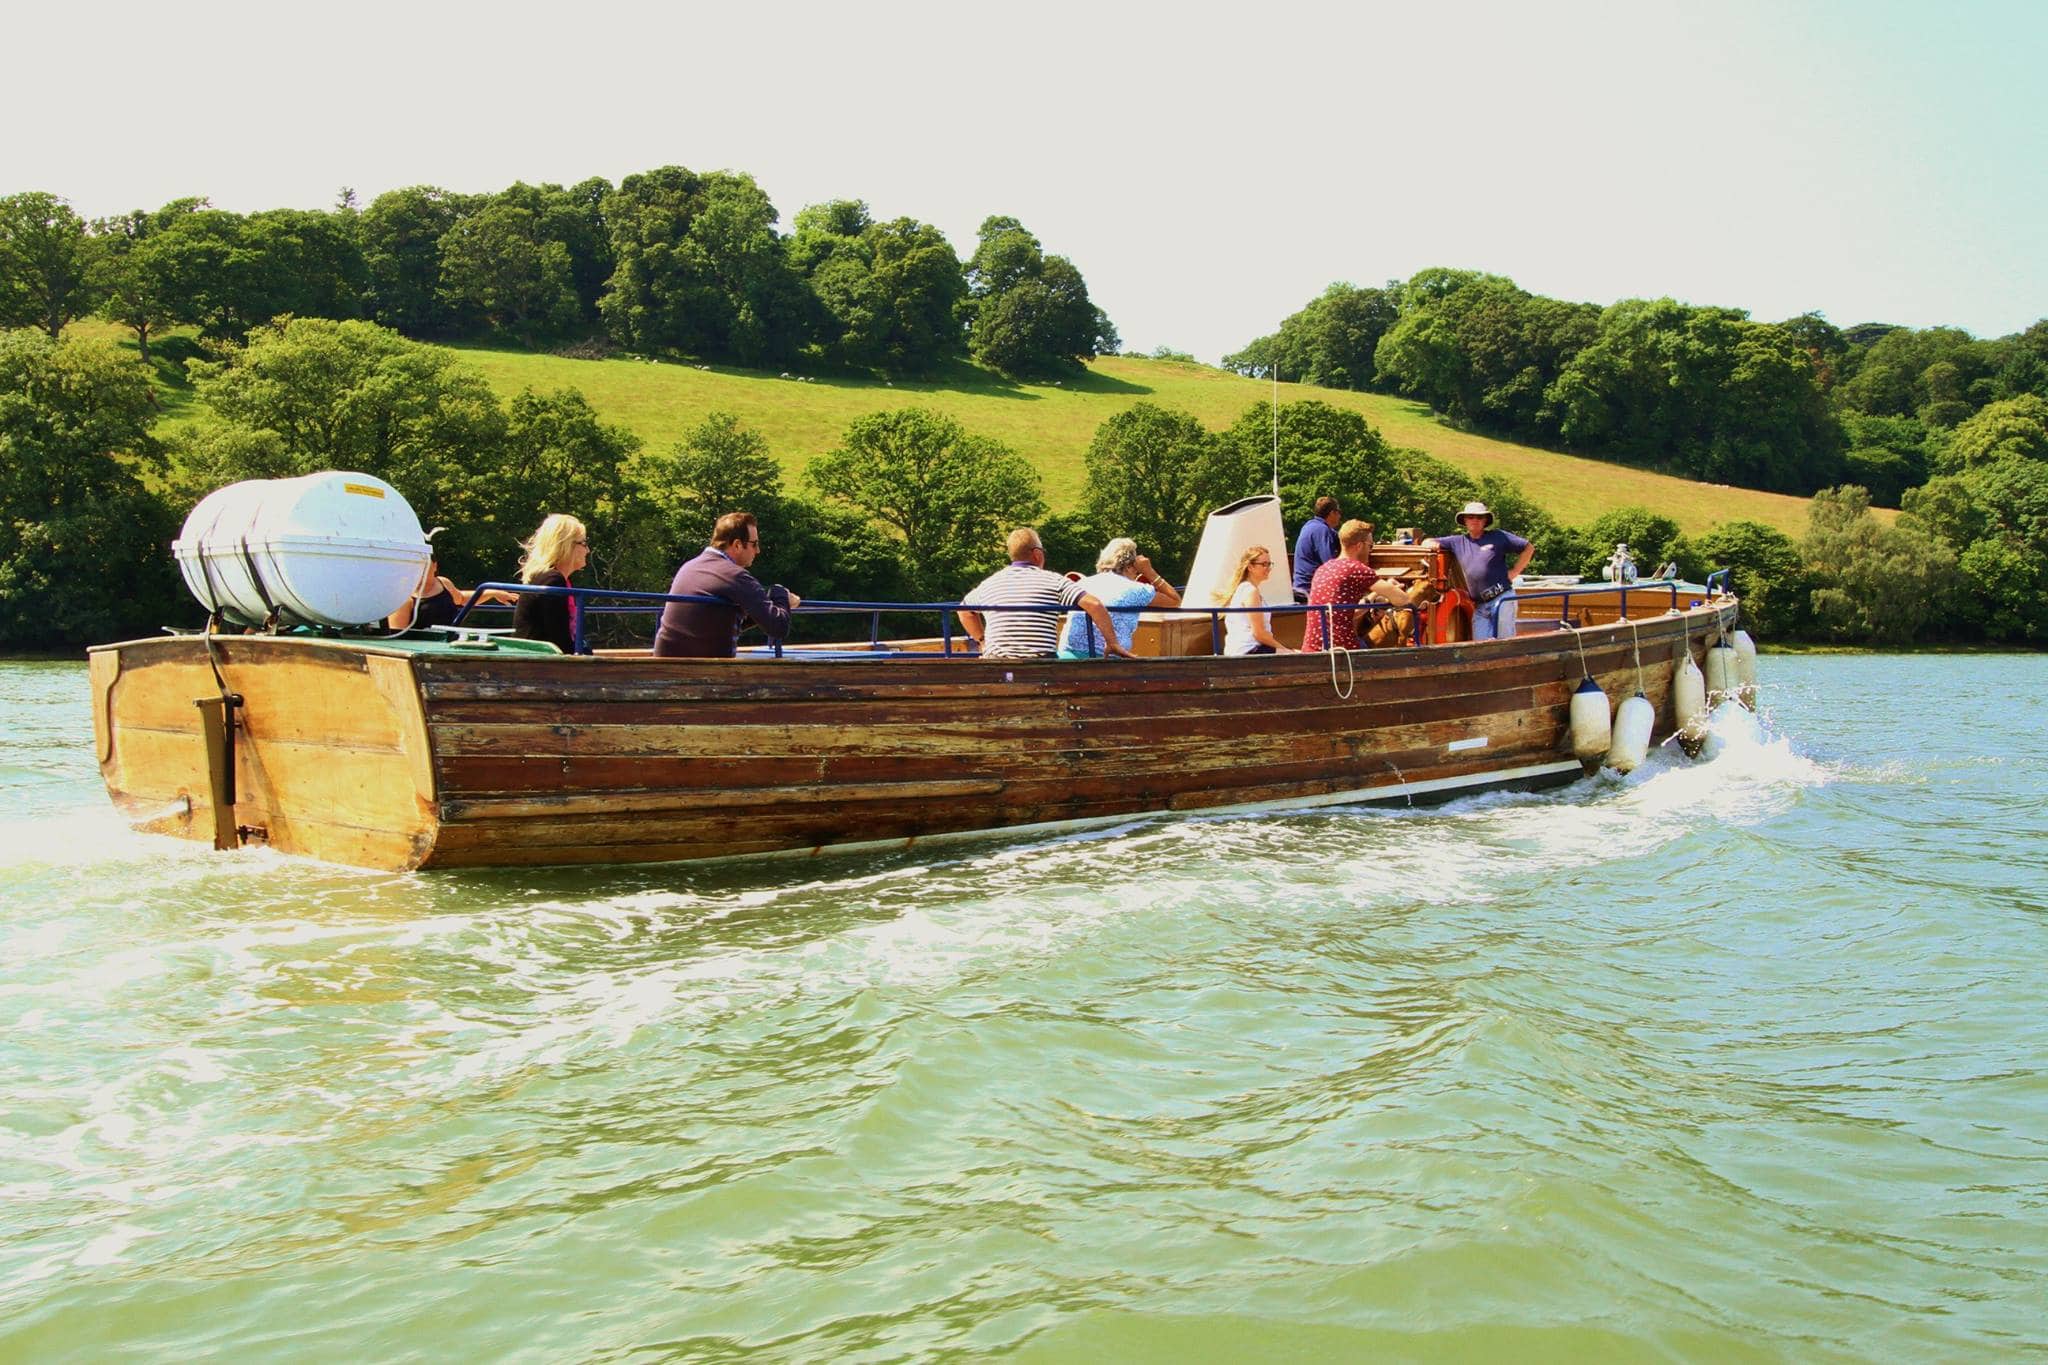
(1022, 634)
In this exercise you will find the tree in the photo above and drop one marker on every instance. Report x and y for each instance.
(401, 233)
(1329, 342)
(312, 394)
(952, 496)
(700, 269)
(825, 552)
(1653, 540)
(1765, 571)
(1154, 474)
(1030, 313)
(1991, 508)
(889, 293)
(228, 273)
(498, 262)
(82, 539)
(1886, 584)
(559, 456)
(1322, 450)
(573, 218)
(1702, 391)
(719, 466)
(47, 263)
(136, 291)
(1481, 350)
(2014, 429)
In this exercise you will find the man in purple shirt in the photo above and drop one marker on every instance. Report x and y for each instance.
(1484, 555)
(705, 630)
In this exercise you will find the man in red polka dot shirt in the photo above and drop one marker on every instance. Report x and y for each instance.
(1347, 579)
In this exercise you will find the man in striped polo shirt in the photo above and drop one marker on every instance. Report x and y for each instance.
(1028, 583)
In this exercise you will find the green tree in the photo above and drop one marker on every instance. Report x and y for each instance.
(825, 552)
(83, 541)
(1765, 571)
(401, 233)
(1323, 450)
(1991, 508)
(1884, 584)
(1480, 350)
(700, 269)
(312, 394)
(1154, 474)
(719, 466)
(1653, 540)
(889, 293)
(950, 495)
(2014, 429)
(136, 292)
(559, 457)
(1030, 313)
(1330, 342)
(500, 263)
(574, 218)
(48, 263)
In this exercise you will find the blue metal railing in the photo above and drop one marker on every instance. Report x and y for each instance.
(646, 603)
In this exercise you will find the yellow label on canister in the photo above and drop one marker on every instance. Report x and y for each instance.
(365, 489)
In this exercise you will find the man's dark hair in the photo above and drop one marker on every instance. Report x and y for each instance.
(734, 527)
(1326, 507)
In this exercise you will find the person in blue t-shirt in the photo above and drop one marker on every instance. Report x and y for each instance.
(1316, 545)
(1484, 555)
(1125, 584)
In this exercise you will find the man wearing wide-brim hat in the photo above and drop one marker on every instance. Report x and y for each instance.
(1485, 554)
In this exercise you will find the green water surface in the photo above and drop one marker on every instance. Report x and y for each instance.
(1741, 1059)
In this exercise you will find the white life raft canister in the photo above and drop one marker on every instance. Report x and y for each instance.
(1592, 725)
(1633, 723)
(334, 549)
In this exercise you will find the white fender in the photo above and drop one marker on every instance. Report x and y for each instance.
(1689, 706)
(1721, 664)
(1592, 725)
(1745, 668)
(1632, 726)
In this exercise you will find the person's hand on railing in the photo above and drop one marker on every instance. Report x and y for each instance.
(794, 600)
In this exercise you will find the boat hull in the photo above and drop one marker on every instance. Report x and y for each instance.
(391, 758)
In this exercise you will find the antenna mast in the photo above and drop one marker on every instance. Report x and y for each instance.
(1276, 428)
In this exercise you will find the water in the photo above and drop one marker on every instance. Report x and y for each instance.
(1737, 1060)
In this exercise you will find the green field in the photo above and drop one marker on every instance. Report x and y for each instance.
(1051, 424)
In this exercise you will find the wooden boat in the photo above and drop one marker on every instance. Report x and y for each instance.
(421, 753)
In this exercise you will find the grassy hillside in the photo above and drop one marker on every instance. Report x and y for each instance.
(1049, 424)
(1052, 424)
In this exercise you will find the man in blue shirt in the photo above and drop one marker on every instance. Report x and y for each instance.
(1316, 545)
(1484, 555)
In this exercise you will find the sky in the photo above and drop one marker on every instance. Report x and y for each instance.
(1210, 168)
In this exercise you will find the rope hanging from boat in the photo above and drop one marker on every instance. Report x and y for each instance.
(1636, 636)
(1350, 673)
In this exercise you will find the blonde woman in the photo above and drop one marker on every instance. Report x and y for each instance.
(560, 548)
(1250, 632)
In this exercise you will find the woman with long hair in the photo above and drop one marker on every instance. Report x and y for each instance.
(1249, 632)
(560, 547)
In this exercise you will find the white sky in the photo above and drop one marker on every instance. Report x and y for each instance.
(1209, 168)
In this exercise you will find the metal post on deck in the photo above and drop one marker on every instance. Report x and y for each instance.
(1215, 632)
(217, 727)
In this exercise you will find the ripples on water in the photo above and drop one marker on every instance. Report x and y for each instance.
(1737, 1059)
